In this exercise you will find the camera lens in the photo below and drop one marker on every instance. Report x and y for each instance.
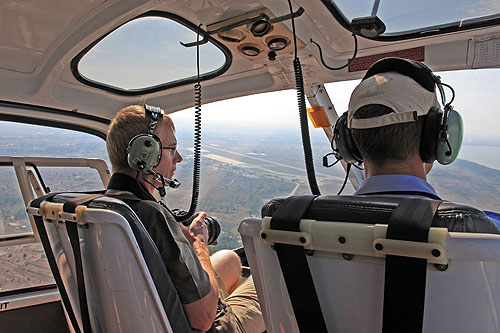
(213, 226)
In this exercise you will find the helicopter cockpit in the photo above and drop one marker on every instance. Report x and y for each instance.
(255, 88)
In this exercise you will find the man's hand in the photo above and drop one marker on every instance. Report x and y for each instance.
(201, 313)
(197, 229)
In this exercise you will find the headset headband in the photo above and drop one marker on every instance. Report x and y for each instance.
(154, 113)
(413, 69)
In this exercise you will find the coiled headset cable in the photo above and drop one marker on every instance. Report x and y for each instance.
(304, 127)
(197, 140)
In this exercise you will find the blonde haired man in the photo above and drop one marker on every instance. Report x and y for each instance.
(199, 278)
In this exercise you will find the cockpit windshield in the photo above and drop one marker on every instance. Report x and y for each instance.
(417, 16)
(146, 54)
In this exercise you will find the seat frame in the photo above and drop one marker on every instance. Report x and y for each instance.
(348, 270)
(120, 290)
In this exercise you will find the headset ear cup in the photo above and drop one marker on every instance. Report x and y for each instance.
(356, 155)
(158, 149)
(454, 133)
(344, 143)
(144, 151)
(430, 135)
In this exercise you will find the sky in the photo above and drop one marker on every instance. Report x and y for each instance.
(141, 53)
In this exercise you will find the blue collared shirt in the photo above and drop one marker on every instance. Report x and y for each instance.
(395, 183)
(405, 183)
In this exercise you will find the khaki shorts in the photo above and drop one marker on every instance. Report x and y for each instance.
(240, 311)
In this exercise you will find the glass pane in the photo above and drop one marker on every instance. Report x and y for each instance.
(249, 157)
(31, 140)
(13, 216)
(474, 178)
(146, 52)
(400, 16)
(71, 179)
(24, 266)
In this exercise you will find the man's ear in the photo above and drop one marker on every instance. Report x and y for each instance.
(428, 167)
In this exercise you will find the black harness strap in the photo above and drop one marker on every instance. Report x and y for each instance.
(72, 230)
(70, 205)
(295, 268)
(42, 232)
(405, 278)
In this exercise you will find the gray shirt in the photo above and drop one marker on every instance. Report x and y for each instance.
(189, 278)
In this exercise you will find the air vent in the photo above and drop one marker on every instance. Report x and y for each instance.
(254, 40)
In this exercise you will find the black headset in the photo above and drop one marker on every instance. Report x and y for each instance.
(442, 132)
(144, 151)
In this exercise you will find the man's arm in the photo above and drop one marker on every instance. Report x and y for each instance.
(201, 313)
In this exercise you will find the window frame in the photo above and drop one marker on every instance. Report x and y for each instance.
(30, 120)
(29, 185)
(135, 92)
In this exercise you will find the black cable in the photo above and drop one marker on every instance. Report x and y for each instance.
(198, 56)
(345, 179)
(197, 140)
(447, 107)
(304, 127)
(39, 175)
(293, 29)
(140, 185)
(452, 93)
(358, 166)
(325, 160)
(348, 62)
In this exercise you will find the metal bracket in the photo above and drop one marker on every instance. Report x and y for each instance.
(368, 240)
(53, 212)
(206, 34)
(433, 252)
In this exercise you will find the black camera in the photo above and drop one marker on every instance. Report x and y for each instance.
(211, 222)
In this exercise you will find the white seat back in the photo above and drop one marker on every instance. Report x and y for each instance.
(120, 291)
(349, 277)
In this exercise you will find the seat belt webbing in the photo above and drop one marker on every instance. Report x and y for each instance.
(405, 278)
(42, 232)
(72, 230)
(295, 268)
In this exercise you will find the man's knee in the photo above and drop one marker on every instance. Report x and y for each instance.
(226, 258)
(227, 265)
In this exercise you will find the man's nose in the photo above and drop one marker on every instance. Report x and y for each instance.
(178, 157)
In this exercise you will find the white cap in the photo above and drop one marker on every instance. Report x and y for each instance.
(402, 94)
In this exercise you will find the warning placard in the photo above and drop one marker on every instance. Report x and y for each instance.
(363, 63)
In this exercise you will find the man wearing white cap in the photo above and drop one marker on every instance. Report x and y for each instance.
(396, 128)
